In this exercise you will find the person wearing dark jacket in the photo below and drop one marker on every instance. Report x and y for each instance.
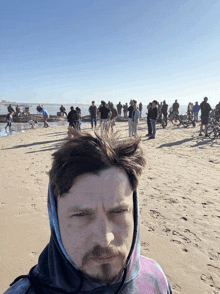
(149, 108)
(95, 228)
(153, 119)
(72, 117)
(164, 110)
(205, 109)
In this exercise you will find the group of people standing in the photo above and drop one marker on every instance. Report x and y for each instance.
(125, 107)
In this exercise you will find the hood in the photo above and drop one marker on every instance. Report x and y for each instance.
(56, 270)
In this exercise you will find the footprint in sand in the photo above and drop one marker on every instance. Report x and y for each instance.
(155, 214)
(213, 278)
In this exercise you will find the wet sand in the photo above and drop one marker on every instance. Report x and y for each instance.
(179, 195)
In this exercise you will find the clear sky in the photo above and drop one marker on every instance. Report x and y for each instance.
(114, 50)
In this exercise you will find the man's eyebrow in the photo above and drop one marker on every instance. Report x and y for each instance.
(78, 208)
(120, 206)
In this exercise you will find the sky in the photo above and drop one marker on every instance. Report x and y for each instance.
(114, 50)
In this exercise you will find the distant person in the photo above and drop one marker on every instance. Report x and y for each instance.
(45, 114)
(140, 107)
(10, 108)
(205, 109)
(196, 110)
(125, 110)
(190, 110)
(114, 115)
(149, 109)
(176, 107)
(153, 119)
(164, 109)
(105, 114)
(63, 110)
(119, 108)
(72, 118)
(135, 118)
(32, 123)
(93, 114)
(217, 109)
(9, 119)
(18, 110)
(130, 111)
(78, 123)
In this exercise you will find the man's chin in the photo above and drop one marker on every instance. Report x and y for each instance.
(104, 274)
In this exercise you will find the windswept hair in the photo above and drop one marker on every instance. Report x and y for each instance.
(84, 153)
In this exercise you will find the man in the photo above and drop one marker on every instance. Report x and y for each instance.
(94, 218)
(72, 117)
(114, 115)
(93, 114)
(135, 118)
(105, 114)
(217, 109)
(140, 108)
(205, 109)
(196, 110)
(164, 110)
(45, 114)
(176, 107)
(130, 111)
(149, 108)
(119, 108)
(153, 119)
(125, 109)
(63, 110)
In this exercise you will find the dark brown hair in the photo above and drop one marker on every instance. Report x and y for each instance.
(83, 153)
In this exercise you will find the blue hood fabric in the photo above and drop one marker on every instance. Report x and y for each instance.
(56, 272)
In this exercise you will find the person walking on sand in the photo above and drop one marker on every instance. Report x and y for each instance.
(93, 114)
(135, 118)
(196, 109)
(94, 244)
(153, 119)
(125, 110)
(130, 111)
(205, 109)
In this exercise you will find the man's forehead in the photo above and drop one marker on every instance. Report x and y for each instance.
(110, 186)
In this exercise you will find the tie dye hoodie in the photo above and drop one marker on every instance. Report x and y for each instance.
(56, 272)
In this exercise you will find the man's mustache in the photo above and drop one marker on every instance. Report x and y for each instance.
(103, 252)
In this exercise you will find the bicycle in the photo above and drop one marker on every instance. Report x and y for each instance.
(178, 120)
(214, 128)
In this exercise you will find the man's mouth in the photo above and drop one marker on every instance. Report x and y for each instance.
(102, 259)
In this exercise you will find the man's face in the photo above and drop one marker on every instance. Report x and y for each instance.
(96, 223)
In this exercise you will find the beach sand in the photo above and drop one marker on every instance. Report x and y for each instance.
(179, 195)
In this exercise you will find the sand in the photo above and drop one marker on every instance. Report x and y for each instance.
(179, 195)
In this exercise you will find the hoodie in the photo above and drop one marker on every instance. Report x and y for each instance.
(56, 272)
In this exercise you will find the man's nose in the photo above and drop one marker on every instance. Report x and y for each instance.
(104, 232)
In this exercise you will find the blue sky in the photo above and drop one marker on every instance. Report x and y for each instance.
(82, 50)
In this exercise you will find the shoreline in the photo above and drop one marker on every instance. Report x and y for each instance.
(179, 199)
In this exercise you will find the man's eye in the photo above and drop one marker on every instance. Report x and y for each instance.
(80, 214)
(119, 211)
